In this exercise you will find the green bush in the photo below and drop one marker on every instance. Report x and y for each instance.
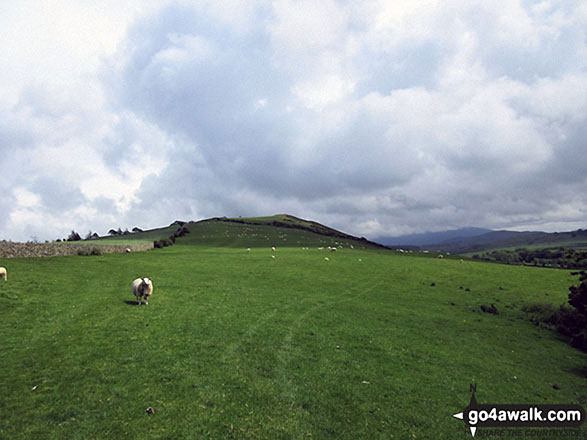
(569, 320)
(164, 242)
(89, 252)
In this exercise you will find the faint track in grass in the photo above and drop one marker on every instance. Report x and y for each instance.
(284, 355)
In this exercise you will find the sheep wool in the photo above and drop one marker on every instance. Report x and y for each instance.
(3, 273)
(142, 288)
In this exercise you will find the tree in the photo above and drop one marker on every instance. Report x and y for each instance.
(577, 324)
(74, 236)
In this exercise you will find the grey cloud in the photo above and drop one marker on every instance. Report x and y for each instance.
(459, 115)
(56, 194)
(441, 154)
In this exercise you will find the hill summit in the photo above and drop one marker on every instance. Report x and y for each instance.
(277, 230)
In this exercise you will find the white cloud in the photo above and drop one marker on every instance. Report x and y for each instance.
(375, 117)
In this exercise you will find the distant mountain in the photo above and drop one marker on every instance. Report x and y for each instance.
(510, 239)
(431, 238)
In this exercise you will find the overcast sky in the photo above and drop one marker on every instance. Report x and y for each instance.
(376, 117)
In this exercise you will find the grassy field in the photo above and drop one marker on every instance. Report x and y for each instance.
(238, 345)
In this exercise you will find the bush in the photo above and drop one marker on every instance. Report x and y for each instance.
(569, 320)
(182, 231)
(88, 252)
(489, 309)
(576, 322)
(164, 242)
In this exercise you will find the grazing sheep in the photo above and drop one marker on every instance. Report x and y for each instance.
(440, 257)
(273, 248)
(326, 259)
(3, 273)
(332, 249)
(128, 250)
(461, 261)
(142, 289)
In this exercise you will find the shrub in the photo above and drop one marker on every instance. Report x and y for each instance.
(569, 320)
(489, 309)
(87, 252)
(164, 242)
(576, 322)
(182, 231)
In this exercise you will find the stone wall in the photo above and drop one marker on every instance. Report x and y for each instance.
(9, 249)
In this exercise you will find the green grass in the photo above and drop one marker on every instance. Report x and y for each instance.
(238, 345)
(141, 237)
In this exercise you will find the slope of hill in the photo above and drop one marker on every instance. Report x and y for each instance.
(278, 230)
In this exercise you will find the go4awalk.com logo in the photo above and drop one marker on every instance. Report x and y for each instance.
(477, 415)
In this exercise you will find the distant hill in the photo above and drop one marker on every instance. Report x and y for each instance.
(276, 230)
(431, 238)
(511, 239)
(282, 229)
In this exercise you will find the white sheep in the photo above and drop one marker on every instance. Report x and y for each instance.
(273, 248)
(332, 249)
(326, 259)
(3, 273)
(128, 250)
(142, 288)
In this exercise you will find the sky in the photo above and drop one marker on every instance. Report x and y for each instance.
(376, 117)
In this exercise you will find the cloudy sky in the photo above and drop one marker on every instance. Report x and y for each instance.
(377, 117)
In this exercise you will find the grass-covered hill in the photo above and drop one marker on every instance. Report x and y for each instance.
(238, 344)
(277, 230)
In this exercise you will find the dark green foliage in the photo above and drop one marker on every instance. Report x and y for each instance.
(74, 236)
(559, 257)
(569, 320)
(91, 236)
(89, 252)
(489, 309)
(164, 242)
(182, 231)
(577, 321)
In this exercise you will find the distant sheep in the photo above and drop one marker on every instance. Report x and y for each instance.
(273, 248)
(128, 250)
(3, 273)
(326, 259)
(142, 288)
(440, 257)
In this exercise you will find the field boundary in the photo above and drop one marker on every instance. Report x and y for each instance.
(9, 249)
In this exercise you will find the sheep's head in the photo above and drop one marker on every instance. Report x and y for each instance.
(147, 282)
